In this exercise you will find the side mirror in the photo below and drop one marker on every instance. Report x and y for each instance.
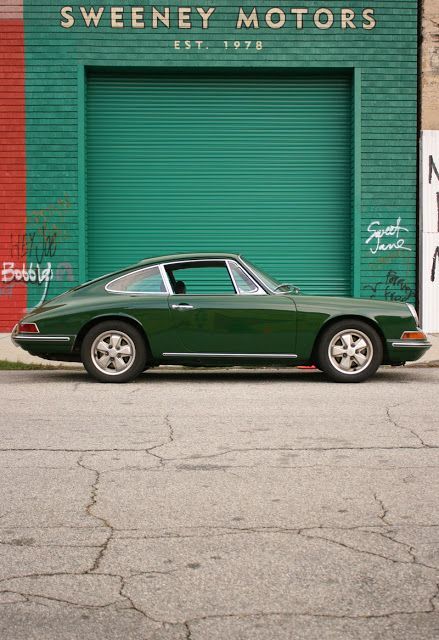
(285, 287)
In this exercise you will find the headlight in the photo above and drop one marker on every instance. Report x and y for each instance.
(413, 312)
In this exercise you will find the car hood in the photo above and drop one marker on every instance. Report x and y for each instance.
(350, 304)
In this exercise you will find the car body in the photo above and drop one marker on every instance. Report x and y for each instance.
(215, 309)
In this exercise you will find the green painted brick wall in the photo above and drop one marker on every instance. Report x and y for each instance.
(384, 58)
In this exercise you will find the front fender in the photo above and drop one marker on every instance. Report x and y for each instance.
(315, 314)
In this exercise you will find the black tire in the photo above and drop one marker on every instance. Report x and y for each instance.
(343, 363)
(130, 356)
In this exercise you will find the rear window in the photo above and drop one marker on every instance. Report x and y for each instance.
(141, 281)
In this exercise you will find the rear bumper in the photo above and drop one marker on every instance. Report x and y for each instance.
(37, 344)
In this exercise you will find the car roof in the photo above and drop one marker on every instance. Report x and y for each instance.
(177, 257)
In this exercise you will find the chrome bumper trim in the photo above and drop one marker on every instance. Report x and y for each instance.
(47, 338)
(233, 355)
(411, 344)
(13, 334)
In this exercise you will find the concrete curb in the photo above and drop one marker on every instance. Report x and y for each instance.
(8, 351)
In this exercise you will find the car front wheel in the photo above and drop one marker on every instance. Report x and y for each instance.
(114, 351)
(350, 351)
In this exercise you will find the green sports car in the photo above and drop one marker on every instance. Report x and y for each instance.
(216, 310)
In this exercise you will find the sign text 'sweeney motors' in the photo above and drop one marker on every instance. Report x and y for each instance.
(142, 17)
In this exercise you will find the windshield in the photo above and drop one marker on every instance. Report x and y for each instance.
(267, 280)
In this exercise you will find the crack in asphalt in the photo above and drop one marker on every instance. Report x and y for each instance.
(384, 511)
(292, 614)
(413, 561)
(48, 546)
(170, 438)
(295, 449)
(94, 495)
(410, 548)
(216, 531)
(214, 455)
(29, 596)
(89, 510)
(52, 574)
(406, 429)
(133, 606)
(433, 598)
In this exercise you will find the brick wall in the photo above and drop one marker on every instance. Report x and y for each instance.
(12, 161)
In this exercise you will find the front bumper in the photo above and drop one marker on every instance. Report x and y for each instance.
(406, 350)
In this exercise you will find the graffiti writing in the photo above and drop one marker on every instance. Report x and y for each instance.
(31, 273)
(378, 232)
(433, 169)
(41, 241)
(64, 271)
(31, 255)
(36, 245)
(39, 274)
(434, 265)
(393, 287)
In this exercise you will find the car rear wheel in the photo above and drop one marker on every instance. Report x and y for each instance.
(114, 351)
(349, 351)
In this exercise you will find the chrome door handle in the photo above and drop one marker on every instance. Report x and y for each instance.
(182, 307)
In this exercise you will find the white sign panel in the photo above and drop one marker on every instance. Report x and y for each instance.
(430, 231)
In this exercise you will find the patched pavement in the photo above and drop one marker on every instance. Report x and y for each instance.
(205, 505)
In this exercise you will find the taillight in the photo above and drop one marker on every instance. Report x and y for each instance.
(413, 335)
(27, 327)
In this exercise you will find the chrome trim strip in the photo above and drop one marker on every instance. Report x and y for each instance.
(51, 338)
(231, 277)
(411, 344)
(233, 355)
(413, 312)
(237, 292)
(165, 279)
(191, 260)
(138, 293)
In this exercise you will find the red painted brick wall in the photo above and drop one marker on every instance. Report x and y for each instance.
(12, 162)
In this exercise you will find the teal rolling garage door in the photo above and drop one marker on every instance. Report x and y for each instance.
(252, 163)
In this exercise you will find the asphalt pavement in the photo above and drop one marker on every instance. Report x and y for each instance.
(209, 505)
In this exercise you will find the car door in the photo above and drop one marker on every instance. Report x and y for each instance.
(217, 316)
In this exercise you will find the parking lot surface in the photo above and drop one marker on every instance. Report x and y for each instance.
(209, 505)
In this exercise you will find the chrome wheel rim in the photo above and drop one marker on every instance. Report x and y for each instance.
(113, 352)
(350, 351)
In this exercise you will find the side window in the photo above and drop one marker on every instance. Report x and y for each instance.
(211, 278)
(244, 283)
(142, 281)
